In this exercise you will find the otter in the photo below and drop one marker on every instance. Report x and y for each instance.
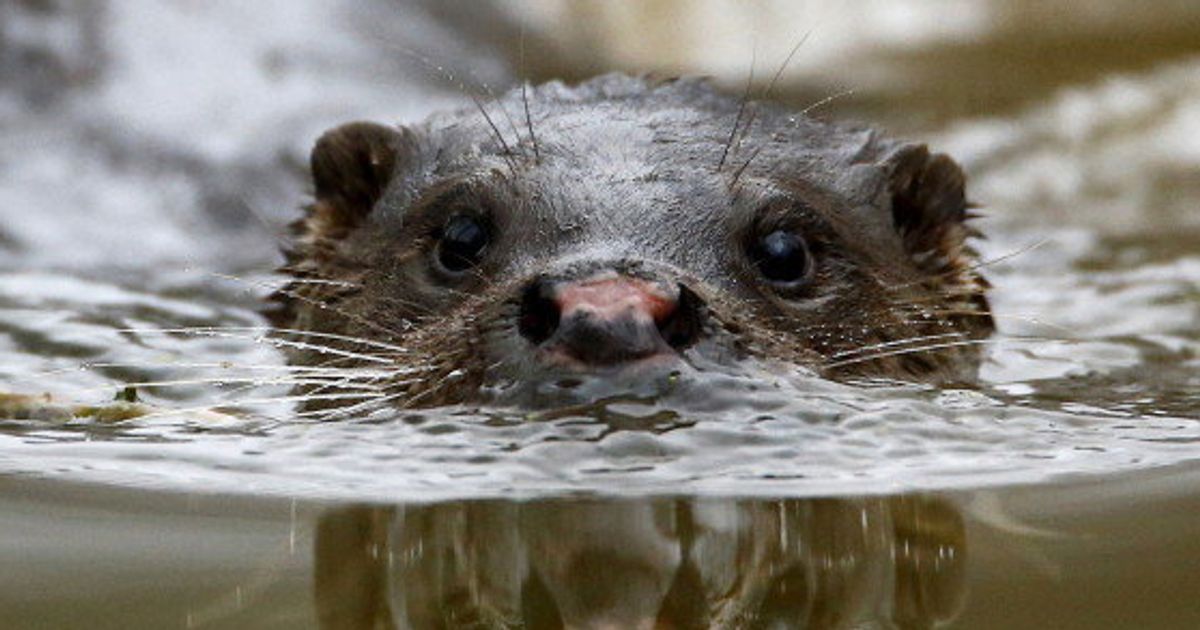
(629, 226)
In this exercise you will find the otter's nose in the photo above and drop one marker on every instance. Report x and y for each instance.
(608, 319)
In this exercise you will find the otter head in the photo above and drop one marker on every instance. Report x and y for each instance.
(623, 227)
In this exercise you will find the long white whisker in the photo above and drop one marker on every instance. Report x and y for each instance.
(308, 300)
(298, 345)
(825, 101)
(301, 369)
(324, 282)
(342, 412)
(973, 267)
(321, 385)
(940, 346)
(220, 380)
(262, 331)
(898, 342)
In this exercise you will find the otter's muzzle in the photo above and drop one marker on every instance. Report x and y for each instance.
(608, 319)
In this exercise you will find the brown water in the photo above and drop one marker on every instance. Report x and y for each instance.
(150, 154)
(1115, 553)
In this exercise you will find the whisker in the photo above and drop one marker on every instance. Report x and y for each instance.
(827, 100)
(435, 387)
(973, 267)
(496, 131)
(309, 370)
(789, 319)
(414, 311)
(1020, 317)
(504, 110)
(220, 380)
(537, 153)
(783, 66)
(940, 346)
(262, 330)
(284, 290)
(525, 92)
(297, 345)
(298, 371)
(766, 93)
(737, 175)
(899, 342)
(803, 112)
(349, 410)
(446, 75)
(325, 282)
(737, 121)
(341, 379)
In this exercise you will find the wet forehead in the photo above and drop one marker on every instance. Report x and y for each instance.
(613, 161)
(633, 183)
(616, 130)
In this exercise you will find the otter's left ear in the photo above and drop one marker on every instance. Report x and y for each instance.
(931, 213)
(929, 207)
(351, 167)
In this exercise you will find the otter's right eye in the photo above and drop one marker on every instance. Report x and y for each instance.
(462, 243)
(783, 258)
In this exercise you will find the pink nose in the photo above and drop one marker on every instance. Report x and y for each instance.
(605, 320)
(611, 299)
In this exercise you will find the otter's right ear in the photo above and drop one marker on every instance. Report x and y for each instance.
(351, 167)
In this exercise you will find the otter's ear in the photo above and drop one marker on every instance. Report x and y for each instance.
(929, 206)
(931, 214)
(351, 166)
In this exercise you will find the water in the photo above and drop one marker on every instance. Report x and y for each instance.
(150, 156)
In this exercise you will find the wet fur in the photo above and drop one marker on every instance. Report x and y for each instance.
(890, 218)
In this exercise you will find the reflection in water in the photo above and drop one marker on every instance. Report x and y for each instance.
(643, 563)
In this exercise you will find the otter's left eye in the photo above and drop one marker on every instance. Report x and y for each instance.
(463, 241)
(783, 258)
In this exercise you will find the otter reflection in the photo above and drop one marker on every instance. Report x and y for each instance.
(646, 563)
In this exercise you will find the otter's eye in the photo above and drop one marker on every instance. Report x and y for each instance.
(462, 243)
(782, 258)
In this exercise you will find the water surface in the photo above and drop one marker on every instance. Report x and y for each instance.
(151, 157)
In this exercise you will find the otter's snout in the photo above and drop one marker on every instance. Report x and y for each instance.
(609, 319)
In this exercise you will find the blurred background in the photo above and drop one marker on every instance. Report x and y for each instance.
(164, 122)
